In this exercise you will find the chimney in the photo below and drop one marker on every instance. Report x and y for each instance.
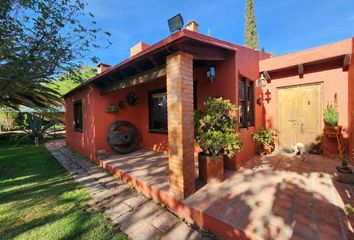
(102, 67)
(139, 47)
(192, 26)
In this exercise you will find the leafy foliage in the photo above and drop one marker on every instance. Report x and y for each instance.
(7, 118)
(331, 115)
(39, 40)
(251, 35)
(35, 125)
(113, 108)
(264, 137)
(40, 200)
(67, 81)
(215, 128)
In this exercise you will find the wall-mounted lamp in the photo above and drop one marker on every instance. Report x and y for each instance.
(262, 82)
(211, 74)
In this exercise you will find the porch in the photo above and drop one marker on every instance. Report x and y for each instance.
(272, 197)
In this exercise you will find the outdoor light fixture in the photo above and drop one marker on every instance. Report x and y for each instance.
(175, 23)
(262, 82)
(211, 74)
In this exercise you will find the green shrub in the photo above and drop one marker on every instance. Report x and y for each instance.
(263, 137)
(215, 128)
(7, 119)
(35, 126)
(331, 115)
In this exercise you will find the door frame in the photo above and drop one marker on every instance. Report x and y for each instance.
(292, 86)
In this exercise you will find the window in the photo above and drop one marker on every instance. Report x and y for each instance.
(158, 111)
(246, 102)
(195, 95)
(78, 116)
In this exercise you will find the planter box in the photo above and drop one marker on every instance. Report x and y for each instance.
(344, 177)
(333, 130)
(211, 169)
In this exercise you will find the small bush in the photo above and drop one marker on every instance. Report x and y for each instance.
(264, 137)
(215, 128)
(331, 115)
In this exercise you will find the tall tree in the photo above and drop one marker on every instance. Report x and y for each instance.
(39, 40)
(251, 35)
(68, 81)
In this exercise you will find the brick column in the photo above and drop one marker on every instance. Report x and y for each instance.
(179, 81)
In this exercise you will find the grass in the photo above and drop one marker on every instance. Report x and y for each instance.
(39, 199)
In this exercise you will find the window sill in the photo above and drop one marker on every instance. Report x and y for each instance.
(247, 127)
(165, 132)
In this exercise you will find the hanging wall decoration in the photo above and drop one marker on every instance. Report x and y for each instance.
(112, 108)
(132, 99)
(122, 104)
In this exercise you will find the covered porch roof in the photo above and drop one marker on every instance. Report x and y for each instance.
(150, 64)
(336, 51)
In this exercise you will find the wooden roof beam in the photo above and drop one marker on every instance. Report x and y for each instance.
(204, 53)
(144, 77)
(136, 68)
(300, 69)
(266, 75)
(346, 60)
(153, 61)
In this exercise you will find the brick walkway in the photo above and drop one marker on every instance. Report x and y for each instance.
(272, 197)
(281, 197)
(133, 213)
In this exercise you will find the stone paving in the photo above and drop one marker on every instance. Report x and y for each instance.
(272, 197)
(281, 197)
(134, 214)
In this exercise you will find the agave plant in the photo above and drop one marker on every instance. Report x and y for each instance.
(35, 125)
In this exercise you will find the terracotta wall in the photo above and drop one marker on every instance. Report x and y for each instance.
(138, 115)
(351, 106)
(82, 142)
(243, 63)
(97, 121)
(331, 74)
(247, 65)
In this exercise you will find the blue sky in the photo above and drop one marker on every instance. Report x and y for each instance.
(284, 26)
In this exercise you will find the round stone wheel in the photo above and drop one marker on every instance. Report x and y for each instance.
(123, 141)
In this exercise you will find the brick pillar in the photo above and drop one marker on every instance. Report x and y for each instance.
(179, 81)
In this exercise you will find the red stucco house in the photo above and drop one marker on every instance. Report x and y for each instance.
(170, 80)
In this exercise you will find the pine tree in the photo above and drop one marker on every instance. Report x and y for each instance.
(251, 35)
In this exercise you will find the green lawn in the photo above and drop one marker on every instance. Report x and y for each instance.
(39, 199)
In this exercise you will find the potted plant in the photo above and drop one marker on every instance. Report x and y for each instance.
(344, 172)
(265, 140)
(331, 117)
(216, 135)
(113, 108)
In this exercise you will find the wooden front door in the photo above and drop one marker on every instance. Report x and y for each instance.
(299, 114)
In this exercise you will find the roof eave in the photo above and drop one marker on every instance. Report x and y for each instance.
(156, 47)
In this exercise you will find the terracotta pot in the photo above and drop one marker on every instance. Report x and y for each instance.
(333, 129)
(345, 177)
(268, 149)
(211, 169)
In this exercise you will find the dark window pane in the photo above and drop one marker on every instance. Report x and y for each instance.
(241, 90)
(246, 102)
(195, 95)
(158, 110)
(78, 116)
(251, 104)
